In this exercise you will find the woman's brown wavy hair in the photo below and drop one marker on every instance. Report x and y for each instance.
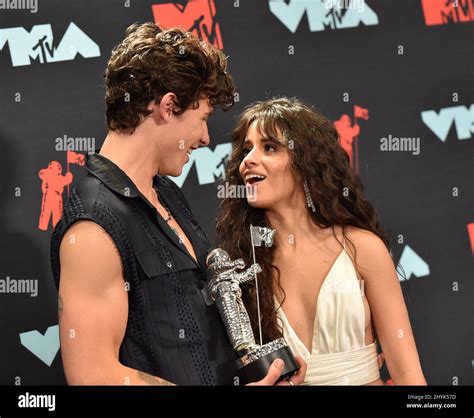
(335, 189)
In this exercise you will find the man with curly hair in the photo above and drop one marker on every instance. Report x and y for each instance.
(128, 257)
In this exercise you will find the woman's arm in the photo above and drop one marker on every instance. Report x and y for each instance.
(389, 312)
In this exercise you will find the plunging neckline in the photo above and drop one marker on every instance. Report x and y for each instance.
(290, 328)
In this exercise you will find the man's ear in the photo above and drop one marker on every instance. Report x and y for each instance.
(165, 107)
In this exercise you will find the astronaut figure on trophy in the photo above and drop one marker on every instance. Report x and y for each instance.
(224, 290)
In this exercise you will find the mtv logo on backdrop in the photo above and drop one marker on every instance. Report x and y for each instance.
(441, 123)
(413, 265)
(38, 44)
(323, 14)
(196, 16)
(209, 164)
(441, 12)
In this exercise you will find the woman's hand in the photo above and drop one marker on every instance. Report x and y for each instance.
(380, 360)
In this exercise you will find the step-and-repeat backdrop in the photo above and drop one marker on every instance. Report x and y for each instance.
(395, 76)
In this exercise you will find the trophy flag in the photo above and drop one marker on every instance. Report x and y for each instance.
(259, 234)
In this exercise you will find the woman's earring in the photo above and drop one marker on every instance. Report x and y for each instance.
(309, 200)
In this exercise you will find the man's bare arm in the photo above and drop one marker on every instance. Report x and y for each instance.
(93, 310)
(93, 313)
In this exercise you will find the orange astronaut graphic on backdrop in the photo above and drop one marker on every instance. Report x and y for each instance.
(52, 186)
(348, 134)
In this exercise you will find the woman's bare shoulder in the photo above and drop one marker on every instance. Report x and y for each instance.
(364, 238)
(370, 250)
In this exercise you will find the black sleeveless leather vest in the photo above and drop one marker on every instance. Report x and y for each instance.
(171, 332)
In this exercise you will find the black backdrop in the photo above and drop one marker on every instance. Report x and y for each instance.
(396, 64)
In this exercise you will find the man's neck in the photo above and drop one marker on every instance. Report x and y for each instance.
(127, 152)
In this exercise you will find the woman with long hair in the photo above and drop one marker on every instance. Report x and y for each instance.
(328, 284)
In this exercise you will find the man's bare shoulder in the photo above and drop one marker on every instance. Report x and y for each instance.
(89, 252)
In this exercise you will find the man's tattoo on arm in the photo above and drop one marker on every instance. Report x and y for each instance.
(60, 306)
(152, 380)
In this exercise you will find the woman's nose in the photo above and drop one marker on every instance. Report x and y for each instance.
(251, 158)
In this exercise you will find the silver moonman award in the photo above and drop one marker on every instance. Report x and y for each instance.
(224, 290)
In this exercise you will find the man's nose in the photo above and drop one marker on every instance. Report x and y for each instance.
(205, 140)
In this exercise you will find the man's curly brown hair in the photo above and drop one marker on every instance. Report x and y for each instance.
(151, 62)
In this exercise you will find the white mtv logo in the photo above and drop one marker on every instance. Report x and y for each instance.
(440, 124)
(413, 265)
(209, 164)
(38, 44)
(323, 13)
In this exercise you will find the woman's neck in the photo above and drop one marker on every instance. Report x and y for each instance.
(293, 224)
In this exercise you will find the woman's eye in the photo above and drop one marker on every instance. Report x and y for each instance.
(245, 151)
(270, 147)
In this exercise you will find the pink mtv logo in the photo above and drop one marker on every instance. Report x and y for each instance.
(196, 16)
(440, 12)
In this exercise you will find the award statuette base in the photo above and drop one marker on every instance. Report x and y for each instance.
(254, 365)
